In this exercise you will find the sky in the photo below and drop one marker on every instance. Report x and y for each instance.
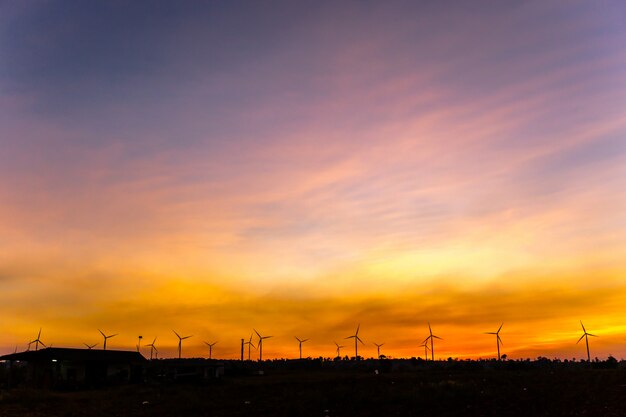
(301, 167)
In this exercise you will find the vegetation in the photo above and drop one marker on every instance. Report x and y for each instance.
(310, 388)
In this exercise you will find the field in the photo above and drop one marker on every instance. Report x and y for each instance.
(555, 391)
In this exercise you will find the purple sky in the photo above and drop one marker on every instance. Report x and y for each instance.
(285, 148)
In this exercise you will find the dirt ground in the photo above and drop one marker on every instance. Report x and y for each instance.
(527, 393)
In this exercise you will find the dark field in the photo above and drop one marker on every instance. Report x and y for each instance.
(433, 392)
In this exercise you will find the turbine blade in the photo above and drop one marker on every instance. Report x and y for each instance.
(500, 328)
(500, 340)
(425, 340)
(305, 340)
(359, 339)
(581, 338)
(177, 335)
(349, 337)
(588, 334)
(112, 335)
(298, 339)
(490, 333)
(207, 343)
(437, 337)
(581, 323)
(357, 329)
(257, 333)
(101, 333)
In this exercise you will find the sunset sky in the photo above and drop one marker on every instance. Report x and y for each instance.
(300, 167)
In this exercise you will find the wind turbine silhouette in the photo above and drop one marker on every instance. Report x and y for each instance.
(249, 343)
(300, 342)
(260, 344)
(357, 339)
(498, 340)
(210, 345)
(425, 345)
(104, 347)
(586, 336)
(338, 349)
(378, 349)
(432, 345)
(90, 346)
(180, 342)
(38, 341)
(152, 347)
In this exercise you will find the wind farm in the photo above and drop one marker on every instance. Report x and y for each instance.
(199, 199)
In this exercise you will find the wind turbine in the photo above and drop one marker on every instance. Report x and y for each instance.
(210, 345)
(425, 345)
(586, 336)
(139, 342)
(152, 347)
(249, 343)
(498, 340)
(338, 349)
(300, 342)
(378, 349)
(104, 347)
(38, 341)
(180, 342)
(432, 345)
(90, 346)
(260, 344)
(357, 339)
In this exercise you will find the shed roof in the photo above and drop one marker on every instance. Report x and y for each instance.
(75, 355)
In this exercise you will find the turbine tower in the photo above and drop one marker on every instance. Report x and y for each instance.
(90, 346)
(249, 343)
(586, 336)
(104, 346)
(38, 341)
(300, 342)
(425, 346)
(210, 345)
(498, 340)
(180, 342)
(152, 347)
(357, 339)
(260, 343)
(378, 349)
(338, 349)
(431, 336)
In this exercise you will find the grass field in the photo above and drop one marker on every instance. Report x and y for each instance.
(434, 392)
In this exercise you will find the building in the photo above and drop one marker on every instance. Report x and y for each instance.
(73, 368)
